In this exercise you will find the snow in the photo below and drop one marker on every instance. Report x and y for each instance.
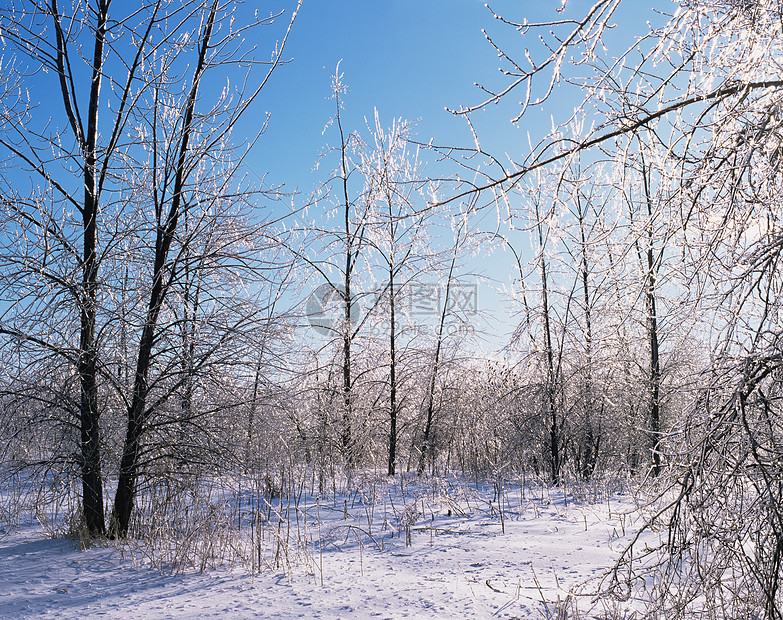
(463, 561)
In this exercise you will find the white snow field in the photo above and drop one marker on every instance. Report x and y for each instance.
(465, 559)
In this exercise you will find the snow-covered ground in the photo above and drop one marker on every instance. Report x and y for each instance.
(463, 561)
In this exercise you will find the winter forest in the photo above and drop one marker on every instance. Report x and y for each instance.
(265, 393)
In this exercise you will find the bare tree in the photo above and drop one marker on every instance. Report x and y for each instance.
(54, 49)
(326, 250)
(396, 235)
(702, 85)
(179, 189)
(435, 368)
(69, 159)
(586, 202)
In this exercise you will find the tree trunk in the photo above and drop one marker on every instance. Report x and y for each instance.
(166, 229)
(392, 377)
(347, 439)
(89, 413)
(652, 332)
(555, 463)
(427, 451)
(591, 440)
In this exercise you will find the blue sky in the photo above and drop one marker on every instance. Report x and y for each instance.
(409, 59)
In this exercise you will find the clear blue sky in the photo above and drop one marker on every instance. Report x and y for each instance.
(410, 59)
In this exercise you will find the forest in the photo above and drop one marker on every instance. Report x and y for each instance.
(188, 353)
